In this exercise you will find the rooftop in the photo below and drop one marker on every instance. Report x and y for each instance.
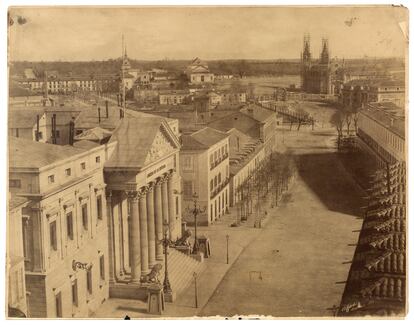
(94, 134)
(240, 121)
(89, 118)
(242, 149)
(135, 137)
(388, 115)
(40, 154)
(16, 201)
(202, 139)
(26, 117)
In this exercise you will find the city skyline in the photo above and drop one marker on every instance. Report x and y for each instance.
(184, 36)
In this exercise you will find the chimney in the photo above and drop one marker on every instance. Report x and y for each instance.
(106, 107)
(37, 127)
(99, 115)
(71, 131)
(54, 129)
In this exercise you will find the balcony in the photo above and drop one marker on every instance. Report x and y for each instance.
(219, 188)
(218, 161)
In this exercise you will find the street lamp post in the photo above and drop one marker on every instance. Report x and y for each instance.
(227, 241)
(195, 289)
(166, 242)
(196, 211)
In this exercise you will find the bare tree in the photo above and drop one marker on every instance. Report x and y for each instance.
(338, 120)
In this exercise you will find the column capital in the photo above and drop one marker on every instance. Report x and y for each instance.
(143, 191)
(132, 195)
(150, 187)
(108, 193)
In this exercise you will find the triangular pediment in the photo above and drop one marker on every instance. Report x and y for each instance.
(161, 147)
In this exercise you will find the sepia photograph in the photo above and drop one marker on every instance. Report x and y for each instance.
(206, 162)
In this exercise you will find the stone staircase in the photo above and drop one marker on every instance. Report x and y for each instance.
(180, 270)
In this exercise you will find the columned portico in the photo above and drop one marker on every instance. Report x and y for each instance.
(149, 206)
(151, 226)
(143, 231)
(135, 237)
(158, 219)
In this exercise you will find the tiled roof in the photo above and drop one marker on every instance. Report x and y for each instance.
(209, 136)
(40, 154)
(391, 117)
(24, 118)
(85, 144)
(94, 134)
(190, 143)
(240, 121)
(135, 137)
(202, 139)
(376, 280)
(242, 154)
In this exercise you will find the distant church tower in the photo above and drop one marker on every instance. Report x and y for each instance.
(306, 62)
(126, 66)
(325, 71)
(315, 78)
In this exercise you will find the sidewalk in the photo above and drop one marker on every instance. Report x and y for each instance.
(213, 274)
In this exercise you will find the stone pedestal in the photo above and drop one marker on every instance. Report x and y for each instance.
(170, 296)
(199, 256)
(156, 304)
(204, 246)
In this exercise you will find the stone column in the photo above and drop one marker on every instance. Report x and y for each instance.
(143, 230)
(158, 219)
(135, 237)
(151, 226)
(171, 205)
(165, 210)
(111, 252)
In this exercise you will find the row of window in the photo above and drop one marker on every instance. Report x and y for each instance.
(74, 287)
(216, 181)
(219, 206)
(68, 171)
(218, 156)
(70, 223)
(381, 133)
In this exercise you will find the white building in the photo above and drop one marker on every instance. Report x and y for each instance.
(381, 131)
(204, 161)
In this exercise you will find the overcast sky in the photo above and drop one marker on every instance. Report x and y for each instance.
(209, 33)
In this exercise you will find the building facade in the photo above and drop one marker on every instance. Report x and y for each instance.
(381, 132)
(357, 93)
(174, 97)
(199, 73)
(15, 259)
(65, 235)
(205, 171)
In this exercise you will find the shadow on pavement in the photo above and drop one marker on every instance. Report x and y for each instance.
(324, 174)
(132, 309)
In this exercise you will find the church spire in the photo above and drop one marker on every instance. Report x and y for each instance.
(325, 52)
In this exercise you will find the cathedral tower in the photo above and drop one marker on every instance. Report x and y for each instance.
(306, 62)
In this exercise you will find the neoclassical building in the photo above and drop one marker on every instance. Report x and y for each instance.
(97, 209)
(143, 187)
